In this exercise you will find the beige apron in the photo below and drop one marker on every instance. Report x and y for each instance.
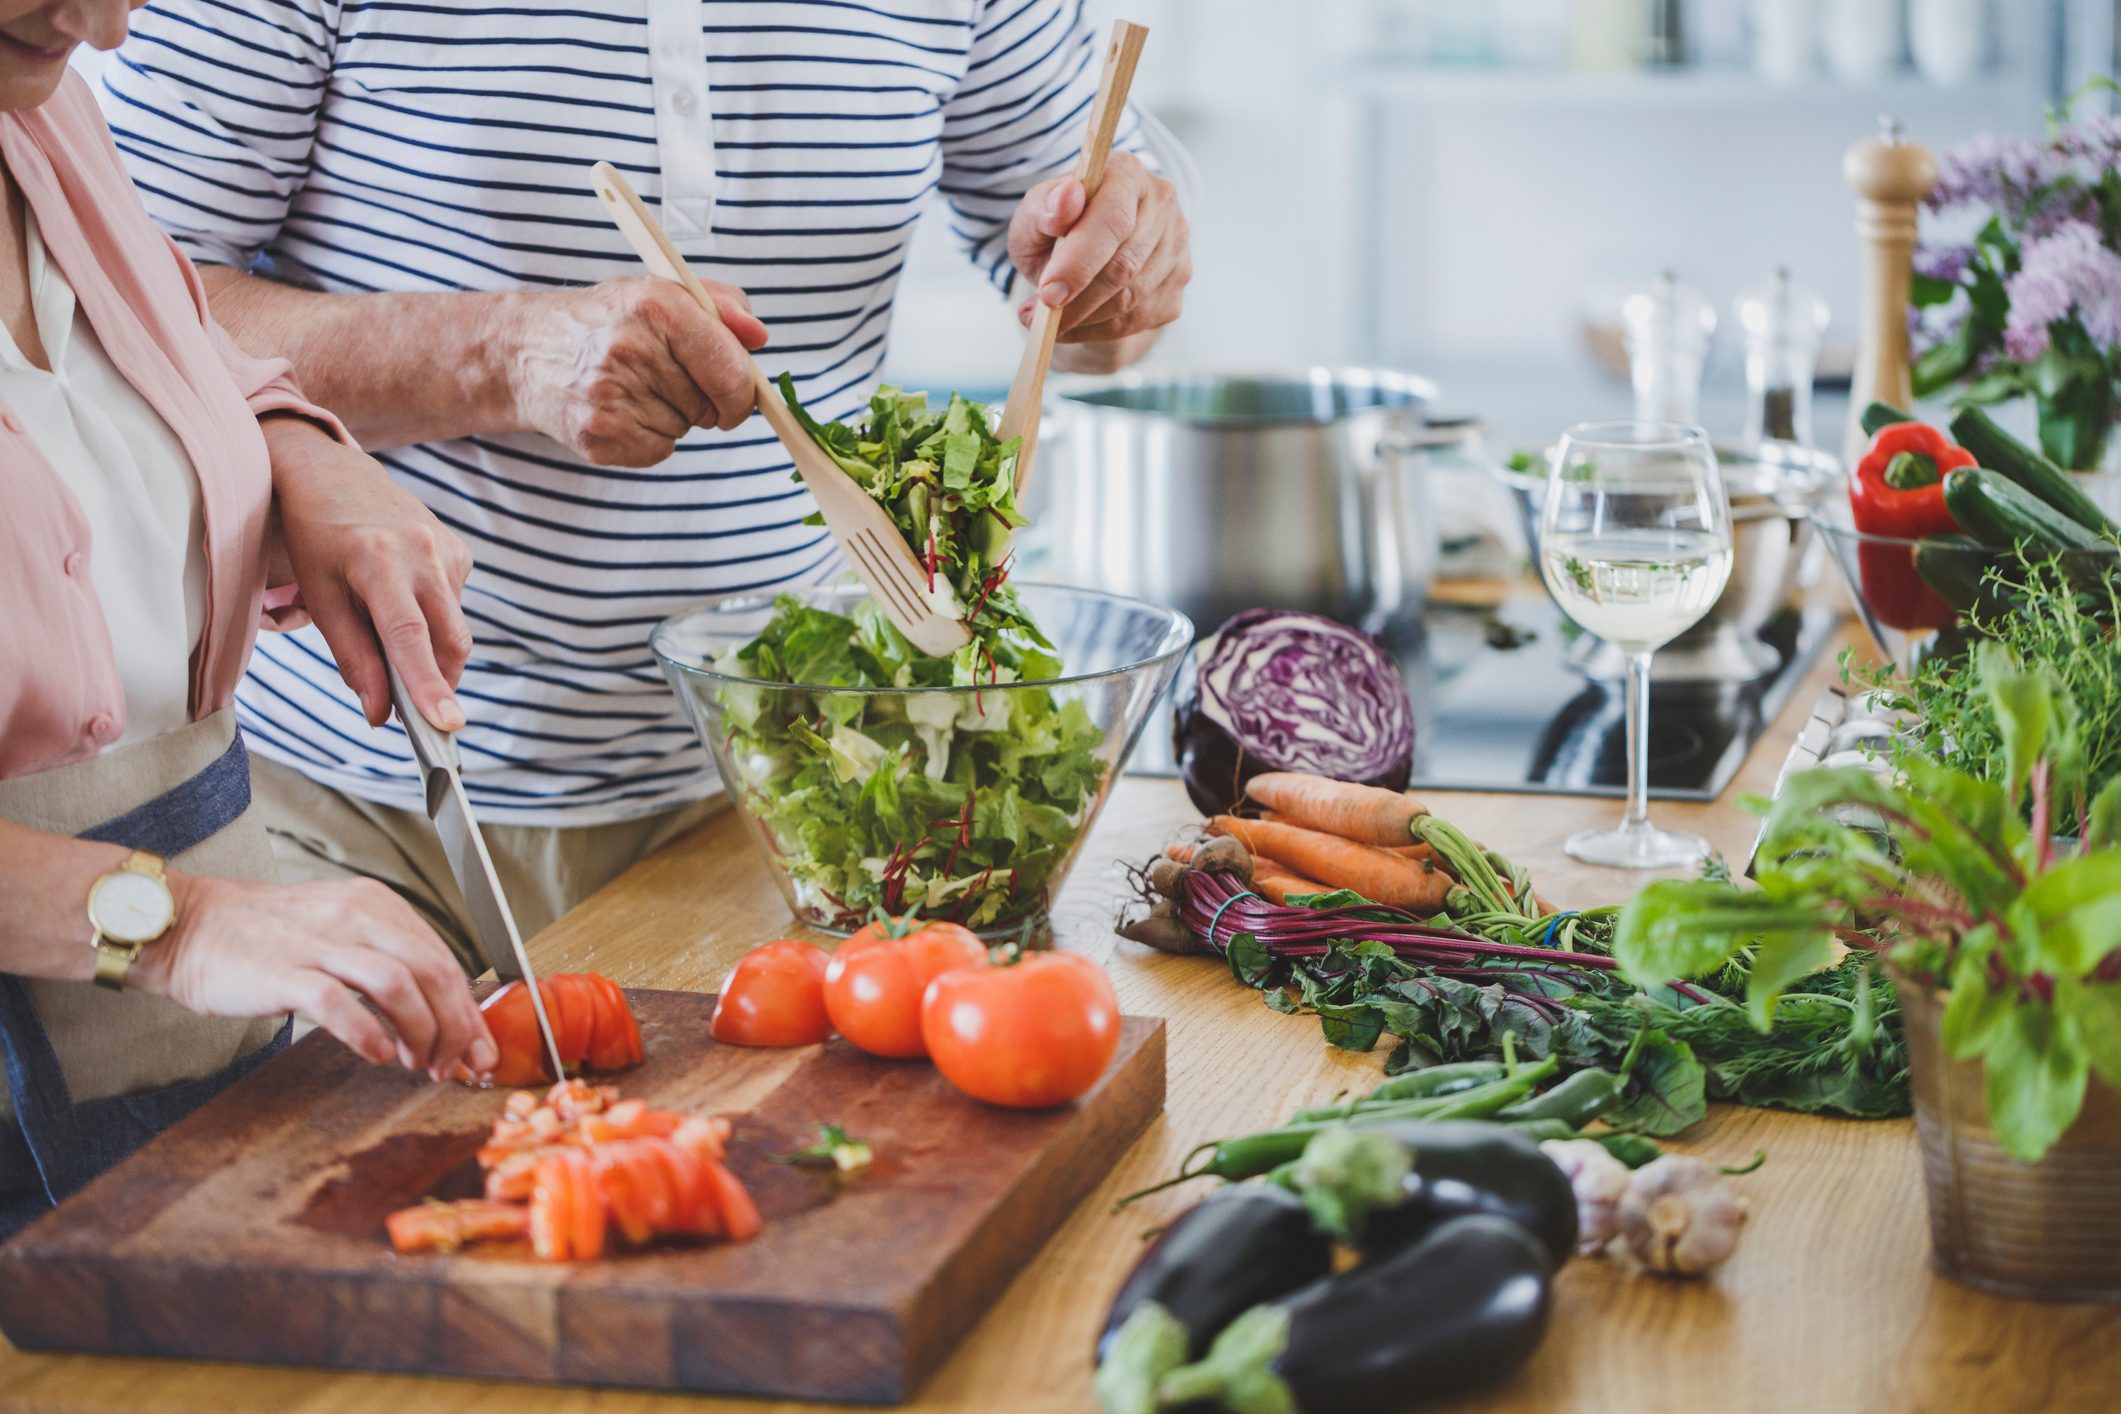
(123, 1043)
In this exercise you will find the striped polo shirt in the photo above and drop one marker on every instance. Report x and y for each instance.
(789, 147)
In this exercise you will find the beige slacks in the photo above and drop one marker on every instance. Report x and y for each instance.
(319, 834)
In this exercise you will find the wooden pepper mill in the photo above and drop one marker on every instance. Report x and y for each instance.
(1890, 177)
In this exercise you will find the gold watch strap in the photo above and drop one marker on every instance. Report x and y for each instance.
(114, 960)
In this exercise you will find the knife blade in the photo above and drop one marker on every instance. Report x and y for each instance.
(492, 922)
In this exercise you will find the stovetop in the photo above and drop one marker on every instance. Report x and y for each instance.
(1497, 707)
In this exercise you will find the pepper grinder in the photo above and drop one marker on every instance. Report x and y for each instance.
(1890, 177)
(1668, 328)
(1783, 322)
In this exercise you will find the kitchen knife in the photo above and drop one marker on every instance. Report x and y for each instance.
(491, 922)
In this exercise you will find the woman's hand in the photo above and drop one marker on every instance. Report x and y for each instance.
(377, 573)
(243, 949)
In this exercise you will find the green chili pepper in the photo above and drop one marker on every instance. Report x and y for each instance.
(1541, 1130)
(1634, 1150)
(1429, 1083)
(1577, 1100)
(1249, 1155)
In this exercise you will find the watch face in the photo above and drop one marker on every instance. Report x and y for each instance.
(130, 907)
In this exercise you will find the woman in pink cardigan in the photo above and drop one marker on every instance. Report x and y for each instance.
(161, 494)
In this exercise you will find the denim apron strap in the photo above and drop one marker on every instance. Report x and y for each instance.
(67, 1143)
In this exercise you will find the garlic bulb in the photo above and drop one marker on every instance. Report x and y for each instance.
(1599, 1180)
(1680, 1216)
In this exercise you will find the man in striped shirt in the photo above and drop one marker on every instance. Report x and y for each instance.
(394, 196)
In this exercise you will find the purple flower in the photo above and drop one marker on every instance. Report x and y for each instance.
(2070, 270)
(2096, 139)
(1945, 262)
(2005, 173)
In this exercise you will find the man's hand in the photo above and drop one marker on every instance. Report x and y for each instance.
(1120, 265)
(618, 372)
(378, 574)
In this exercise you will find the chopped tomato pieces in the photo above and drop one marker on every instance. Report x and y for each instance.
(580, 1168)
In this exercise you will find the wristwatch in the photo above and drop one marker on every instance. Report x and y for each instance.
(129, 907)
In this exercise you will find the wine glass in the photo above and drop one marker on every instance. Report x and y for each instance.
(1635, 545)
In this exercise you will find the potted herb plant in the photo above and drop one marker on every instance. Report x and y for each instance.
(2030, 306)
(1997, 905)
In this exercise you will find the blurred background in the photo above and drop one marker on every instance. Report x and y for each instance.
(1468, 189)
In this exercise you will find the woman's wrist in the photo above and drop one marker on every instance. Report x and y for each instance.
(150, 971)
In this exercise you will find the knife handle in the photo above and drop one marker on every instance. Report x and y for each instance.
(435, 749)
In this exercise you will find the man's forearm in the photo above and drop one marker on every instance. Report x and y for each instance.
(396, 368)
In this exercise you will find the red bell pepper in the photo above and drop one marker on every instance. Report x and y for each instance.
(1897, 489)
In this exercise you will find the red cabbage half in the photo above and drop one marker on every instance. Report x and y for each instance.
(1279, 691)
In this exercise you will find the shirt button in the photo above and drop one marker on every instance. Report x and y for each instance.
(75, 562)
(684, 102)
(103, 726)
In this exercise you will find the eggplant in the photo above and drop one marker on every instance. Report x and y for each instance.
(1471, 1166)
(1458, 1309)
(1239, 1246)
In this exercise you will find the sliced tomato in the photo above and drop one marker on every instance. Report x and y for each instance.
(585, 1238)
(445, 1227)
(644, 1169)
(622, 1196)
(740, 1216)
(515, 1032)
(617, 1043)
(552, 1208)
(688, 1192)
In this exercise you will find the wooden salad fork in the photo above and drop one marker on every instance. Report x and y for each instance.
(871, 543)
(1027, 393)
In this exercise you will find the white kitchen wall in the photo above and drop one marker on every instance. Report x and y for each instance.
(1425, 183)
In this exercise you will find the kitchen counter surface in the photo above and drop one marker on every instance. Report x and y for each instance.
(1829, 1304)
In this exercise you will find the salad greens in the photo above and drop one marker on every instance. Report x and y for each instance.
(1959, 882)
(957, 804)
(948, 486)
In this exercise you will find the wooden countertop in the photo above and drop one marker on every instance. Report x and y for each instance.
(1829, 1305)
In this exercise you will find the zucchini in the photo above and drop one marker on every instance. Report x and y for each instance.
(1956, 566)
(1878, 415)
(1999, 512)
(1996, 450)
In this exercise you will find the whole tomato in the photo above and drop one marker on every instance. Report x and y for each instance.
(874, 986)
(1030, 1033)
(774, 996)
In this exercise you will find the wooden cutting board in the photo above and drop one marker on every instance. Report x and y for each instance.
(254, 1229)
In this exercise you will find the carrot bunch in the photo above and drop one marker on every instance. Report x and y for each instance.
(570, 1168)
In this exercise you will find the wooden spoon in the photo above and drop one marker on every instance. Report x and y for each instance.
(871, 543)
(1021, 412)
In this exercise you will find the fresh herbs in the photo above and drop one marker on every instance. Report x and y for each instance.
(834, 1150)
(954, 804)
(1961, 881)
(2047, 613)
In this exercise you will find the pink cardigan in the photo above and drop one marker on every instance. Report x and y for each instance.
(60, 700)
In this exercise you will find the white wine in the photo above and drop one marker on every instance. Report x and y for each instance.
(1636, 588)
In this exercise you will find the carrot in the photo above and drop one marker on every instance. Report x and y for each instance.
(1416, 852)
(1278, 881)
(1365, 814)
(1377, 874)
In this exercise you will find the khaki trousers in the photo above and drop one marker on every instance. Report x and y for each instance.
(318, 833)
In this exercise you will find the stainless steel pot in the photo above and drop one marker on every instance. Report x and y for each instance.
(1770, 488)
(1215, 492)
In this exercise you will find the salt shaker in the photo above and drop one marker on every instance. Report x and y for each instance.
(1668, 329)
(1782, 322)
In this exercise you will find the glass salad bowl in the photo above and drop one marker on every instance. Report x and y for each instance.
(965, 801)
(1914, 595)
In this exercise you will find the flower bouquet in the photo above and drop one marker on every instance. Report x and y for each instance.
(2030, 307)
